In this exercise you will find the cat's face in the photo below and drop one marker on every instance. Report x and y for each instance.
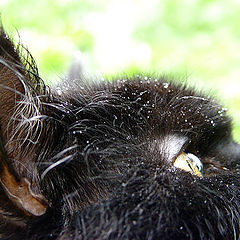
(133, 158)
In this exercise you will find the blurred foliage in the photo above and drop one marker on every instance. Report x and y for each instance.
(196, 39)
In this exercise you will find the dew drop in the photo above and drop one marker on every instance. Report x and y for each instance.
(165, 85)
(59, 91)
(128, 137)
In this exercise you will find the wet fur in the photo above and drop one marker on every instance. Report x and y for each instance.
(101, 154)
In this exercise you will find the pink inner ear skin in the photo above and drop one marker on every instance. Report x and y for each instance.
(20, 193)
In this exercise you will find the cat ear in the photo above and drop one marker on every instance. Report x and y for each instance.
(11, 88)
(17, 99)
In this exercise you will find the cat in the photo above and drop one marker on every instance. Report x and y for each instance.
(135, 157)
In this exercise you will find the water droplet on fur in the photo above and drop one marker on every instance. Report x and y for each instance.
(165, 85)
(213, 123)
(59, 91)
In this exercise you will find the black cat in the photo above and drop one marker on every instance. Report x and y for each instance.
(132, 158)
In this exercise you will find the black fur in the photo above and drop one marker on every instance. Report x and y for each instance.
(101, 154)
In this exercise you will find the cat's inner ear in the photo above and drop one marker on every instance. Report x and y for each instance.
(11, 87)
(12, 93)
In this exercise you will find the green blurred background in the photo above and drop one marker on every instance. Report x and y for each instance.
(196, 40)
